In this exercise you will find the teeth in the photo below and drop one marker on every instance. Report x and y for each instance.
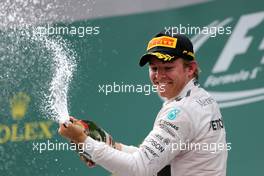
(163, 83)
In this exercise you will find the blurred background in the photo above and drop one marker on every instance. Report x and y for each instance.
(106, 39)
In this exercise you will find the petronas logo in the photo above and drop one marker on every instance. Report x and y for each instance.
(19, 104)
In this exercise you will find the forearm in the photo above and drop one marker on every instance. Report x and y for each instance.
(143, 161)
(115, 161)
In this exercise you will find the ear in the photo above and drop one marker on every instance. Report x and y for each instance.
(192, 67)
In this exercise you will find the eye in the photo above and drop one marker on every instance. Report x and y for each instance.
(153, 69)
(168, 68)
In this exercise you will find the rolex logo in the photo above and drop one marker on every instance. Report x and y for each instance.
(19, 104)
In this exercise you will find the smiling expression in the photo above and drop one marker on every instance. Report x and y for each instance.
(170, 77)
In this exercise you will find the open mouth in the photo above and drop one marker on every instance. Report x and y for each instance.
(163, 83)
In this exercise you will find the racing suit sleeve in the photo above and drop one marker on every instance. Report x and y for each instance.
(128, 148)
(157, 150)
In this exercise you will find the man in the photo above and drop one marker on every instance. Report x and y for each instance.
(188, 136)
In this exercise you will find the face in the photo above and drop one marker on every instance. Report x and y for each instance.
(170, 77)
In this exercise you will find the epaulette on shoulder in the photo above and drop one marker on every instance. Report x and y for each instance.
(187, 95)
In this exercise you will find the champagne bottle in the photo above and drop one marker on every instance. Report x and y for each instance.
(97, 133)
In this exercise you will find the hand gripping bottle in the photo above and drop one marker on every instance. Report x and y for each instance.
(97, 133)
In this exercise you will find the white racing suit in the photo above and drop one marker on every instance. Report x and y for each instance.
(188, 134)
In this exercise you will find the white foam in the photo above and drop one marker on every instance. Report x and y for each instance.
(63, 65)
(17, 21)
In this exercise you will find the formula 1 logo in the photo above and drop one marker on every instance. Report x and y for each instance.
(235, 76)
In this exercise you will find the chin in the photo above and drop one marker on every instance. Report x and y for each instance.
(163, 96)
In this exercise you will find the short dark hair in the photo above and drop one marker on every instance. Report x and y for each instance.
(186, 63)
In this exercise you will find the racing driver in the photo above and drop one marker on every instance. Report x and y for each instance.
(188, 136)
